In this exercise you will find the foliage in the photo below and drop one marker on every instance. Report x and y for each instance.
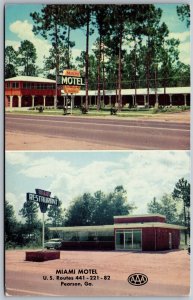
(55, 214)
(27, 57)
(181, 193)
(183, 12)
(98, 209)
(165, 206)
(11, 62)
(10, 223)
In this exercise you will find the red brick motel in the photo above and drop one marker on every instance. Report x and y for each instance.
(28, 92)
(129, 233)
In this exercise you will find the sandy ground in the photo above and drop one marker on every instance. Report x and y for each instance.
(167, 272)
(18, 141)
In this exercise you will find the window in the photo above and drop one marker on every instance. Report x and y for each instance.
(15, 85)
(26, 85)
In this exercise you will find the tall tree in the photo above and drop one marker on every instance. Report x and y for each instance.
(181, 193)
(102, 14)
(29, 212)
(98, 209)
(11, 62)
(84, 13)
(10, 223)
(165, 206)
(27, 57)
(183, 12)
(56, 214)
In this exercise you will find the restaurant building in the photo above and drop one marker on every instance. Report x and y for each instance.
(130, 233)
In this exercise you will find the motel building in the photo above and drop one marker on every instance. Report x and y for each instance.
(130, 233)
(28, 92)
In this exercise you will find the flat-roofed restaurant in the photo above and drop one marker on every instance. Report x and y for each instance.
(130, 233)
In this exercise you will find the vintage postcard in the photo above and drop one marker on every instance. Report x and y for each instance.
(97, 150)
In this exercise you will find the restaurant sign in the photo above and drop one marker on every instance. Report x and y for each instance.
(43, 198)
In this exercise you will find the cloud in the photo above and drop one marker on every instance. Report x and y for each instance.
(144, 175)
(23, 31)
(17, 202)
(184, 47)
(17, 158)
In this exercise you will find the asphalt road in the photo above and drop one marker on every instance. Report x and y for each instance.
(116, 133)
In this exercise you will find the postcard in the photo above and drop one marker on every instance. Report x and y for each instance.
(97, 150)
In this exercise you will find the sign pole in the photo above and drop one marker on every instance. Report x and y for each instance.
(43, 231)
(71, 104)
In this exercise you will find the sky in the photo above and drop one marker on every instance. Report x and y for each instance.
(19, 24)
(143, 174)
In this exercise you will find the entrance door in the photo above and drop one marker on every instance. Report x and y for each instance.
(128, 240)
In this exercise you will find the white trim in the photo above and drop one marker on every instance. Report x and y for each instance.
(30, 79)
(83, 228)
(148, 224)
(118, 226)
(136, 216)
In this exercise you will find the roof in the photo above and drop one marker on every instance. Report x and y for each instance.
(148, 224)
(117, 226)
(169, 90)
(84, 228)
(137, 216)
(30, 79)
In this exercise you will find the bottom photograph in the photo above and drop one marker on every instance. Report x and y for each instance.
(97, 223)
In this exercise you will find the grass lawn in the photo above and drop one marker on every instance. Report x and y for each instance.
(104, 112)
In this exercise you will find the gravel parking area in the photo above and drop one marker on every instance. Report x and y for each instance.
(97, 273)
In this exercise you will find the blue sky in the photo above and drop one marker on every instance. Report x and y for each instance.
(18, 26)
(144, 174)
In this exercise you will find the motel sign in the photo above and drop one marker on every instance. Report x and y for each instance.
(70, 80)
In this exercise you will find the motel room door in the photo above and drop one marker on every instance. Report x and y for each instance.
(128, 240)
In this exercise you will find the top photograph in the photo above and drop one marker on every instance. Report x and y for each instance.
(97, 77)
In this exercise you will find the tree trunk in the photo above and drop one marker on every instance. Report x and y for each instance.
(99, 77)
(68, 58)
(135, 64)
(185, 224)
(103, 77)
(119, 74)
(87, 58)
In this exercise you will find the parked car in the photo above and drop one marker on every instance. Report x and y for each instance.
(53, 244)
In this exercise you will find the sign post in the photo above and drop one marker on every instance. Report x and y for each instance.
(43, 231)
(44, 199)
(71, 82)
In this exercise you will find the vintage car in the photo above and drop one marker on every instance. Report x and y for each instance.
(53, 244)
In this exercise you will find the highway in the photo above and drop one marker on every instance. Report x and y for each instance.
(115, 133)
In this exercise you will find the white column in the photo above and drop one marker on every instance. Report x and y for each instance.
(19, 101)
(72, 100)
(55, 101)
(11, 102)
(44, 97)
(110, 100)
(133, 100)
(170, 99)
(144, 99)
(33, 97)
(185, 99)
